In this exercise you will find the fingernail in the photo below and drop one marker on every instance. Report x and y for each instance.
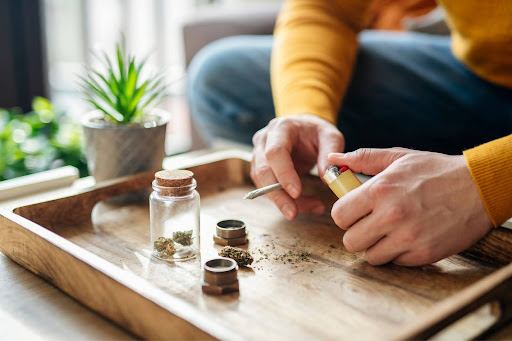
(288, 212)
(335, 155)
(292, 190)
(318, 209)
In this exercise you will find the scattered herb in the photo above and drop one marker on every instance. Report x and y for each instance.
(332, 246)
(292, 256)
(242, 257)
(183, 237)
(165, 246)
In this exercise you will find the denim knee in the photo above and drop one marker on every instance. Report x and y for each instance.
(209, 65)
(222, 82)
(204, 71)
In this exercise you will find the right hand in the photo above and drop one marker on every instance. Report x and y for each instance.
(288, 147)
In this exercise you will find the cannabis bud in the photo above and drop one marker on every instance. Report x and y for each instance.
(183, 237)
(242, 257)
(165, 246)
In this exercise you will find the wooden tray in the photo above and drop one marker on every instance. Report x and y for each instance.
(99, 254)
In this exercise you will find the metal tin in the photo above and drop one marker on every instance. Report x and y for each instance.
(230, 232)
(230, 228)
(220, 276)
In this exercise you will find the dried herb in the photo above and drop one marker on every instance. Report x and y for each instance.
(165, 246)
(242, 257)
(183, 237)
(292, 256)
(332, 246)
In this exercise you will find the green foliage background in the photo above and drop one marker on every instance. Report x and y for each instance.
(39, 140)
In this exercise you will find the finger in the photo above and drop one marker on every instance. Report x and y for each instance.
(262, 175)
(310, 205)
(384, 251)
(368, 160)
(328, 142)
(364, 233)
(260, 136)
(418, 257)
(278, 154)
(351, 207)
(409, 259)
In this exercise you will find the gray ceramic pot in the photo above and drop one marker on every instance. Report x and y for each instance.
(117, 150)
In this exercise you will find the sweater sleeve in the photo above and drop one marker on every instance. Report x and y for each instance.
(315, 44)
(490, 165)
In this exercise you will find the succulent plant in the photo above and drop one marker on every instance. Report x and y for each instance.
(120, 92)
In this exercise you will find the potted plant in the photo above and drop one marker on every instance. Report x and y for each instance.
(124, 134)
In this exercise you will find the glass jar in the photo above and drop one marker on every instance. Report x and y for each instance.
(174, 215)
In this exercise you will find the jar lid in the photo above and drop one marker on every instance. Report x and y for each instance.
(174, 178)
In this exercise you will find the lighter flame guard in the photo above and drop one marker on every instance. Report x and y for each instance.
(341, 181)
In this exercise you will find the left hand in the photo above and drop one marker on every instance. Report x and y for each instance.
(419, 208)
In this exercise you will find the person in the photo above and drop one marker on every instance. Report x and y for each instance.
(322, 92)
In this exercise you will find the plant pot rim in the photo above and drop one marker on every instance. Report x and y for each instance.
(88, 121)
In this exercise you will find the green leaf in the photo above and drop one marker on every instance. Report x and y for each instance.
(143, 105)
(103, 79)
(120, 63)
(116, 92)
(136, 98)
(132, 79)
(41, 103)
(113, 84)
(142, 64)
(115, 116)
(155, 83)
(94, 88)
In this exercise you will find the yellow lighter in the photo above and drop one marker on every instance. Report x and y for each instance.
(341, 181)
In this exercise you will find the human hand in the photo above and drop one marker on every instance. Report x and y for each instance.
(288, 147)
(419, 208)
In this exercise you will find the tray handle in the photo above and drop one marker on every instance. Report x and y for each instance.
(496, 287)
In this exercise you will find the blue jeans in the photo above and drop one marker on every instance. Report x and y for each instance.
(407, 90)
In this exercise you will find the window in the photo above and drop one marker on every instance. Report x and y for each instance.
(75, 29)
(151, 28)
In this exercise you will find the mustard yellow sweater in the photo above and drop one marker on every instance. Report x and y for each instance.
(314, 51)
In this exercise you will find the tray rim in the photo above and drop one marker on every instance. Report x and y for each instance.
(437, 317)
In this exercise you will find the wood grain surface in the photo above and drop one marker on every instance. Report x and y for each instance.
(332, 295)
(32, 309)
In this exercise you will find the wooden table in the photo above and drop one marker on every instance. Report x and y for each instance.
(31, 308)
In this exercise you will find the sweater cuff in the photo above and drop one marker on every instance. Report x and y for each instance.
(490, 165)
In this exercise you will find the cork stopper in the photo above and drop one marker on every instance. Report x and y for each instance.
(174, 178)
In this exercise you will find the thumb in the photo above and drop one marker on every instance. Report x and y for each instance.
(368, 161)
